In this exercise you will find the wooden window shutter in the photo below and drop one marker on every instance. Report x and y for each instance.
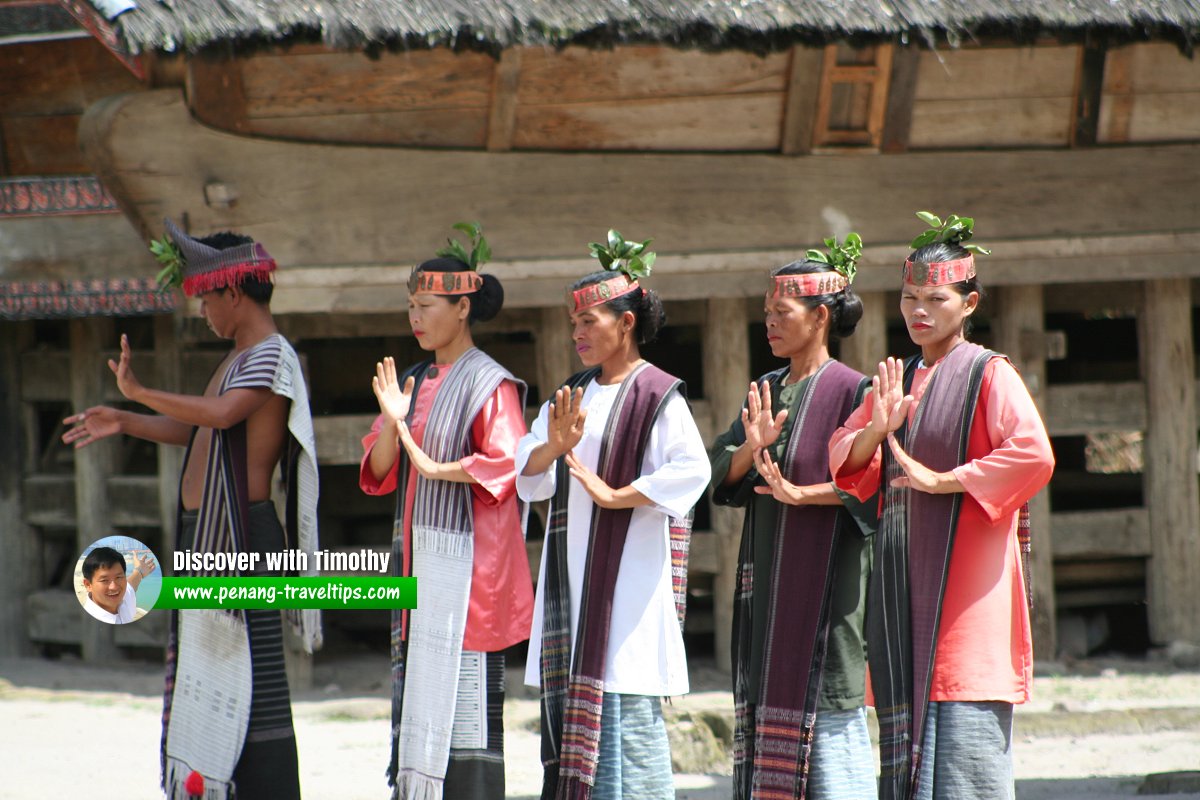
(853, 96)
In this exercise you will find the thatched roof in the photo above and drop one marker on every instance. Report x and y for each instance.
(746, 24)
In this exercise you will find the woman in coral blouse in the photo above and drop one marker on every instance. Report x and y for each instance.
(445, 442)
(956, 444)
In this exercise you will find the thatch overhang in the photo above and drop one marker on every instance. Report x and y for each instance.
(759, 25)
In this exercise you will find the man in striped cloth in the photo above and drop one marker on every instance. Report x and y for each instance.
(253, 415)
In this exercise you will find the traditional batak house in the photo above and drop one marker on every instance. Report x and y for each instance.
(349, 136)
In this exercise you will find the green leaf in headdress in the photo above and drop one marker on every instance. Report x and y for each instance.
(617, 254)
(842, 257)
(481, 251)
(169, 255)
(955, 230)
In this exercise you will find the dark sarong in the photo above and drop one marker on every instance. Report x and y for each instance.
(909, 577)
(268, 766)
(774, 730)
(573, 695)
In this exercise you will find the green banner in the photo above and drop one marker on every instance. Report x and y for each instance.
(322, 592)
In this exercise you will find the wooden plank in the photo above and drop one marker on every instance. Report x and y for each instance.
(1171, 492)
(1019, 329)
(1173, 116)
(555, 352)
(1116, 104)
(42, 373)
(868, 346)
(726, 353)
(683, 123)
(997, 73)
(168, 376)
(19, 570)
(339, 437)
(51, 500)
(800, 99)
(1081, 408)
(1101, 573)
(539, 207)
(59, 77)
(1108, 533)
(971, 122)
(1154, 68)
(820, 126)
(1106, 596)
(216, 91)
(1089, 91)
(1082, 263)
(43, 145)
(55, 617)
(901, 95)
(419, 128)
(502, 118)
(583, 75)
(335, 83)
(93, 464)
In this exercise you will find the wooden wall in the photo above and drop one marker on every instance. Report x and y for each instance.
(657, 98)
(1151, 93)
(994, 97)
(45, 88)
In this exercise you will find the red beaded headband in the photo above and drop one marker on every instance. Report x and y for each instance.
(595, 294)
(939, 273)
(806, 285)
(429, 282)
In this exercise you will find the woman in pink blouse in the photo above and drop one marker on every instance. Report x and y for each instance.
(958, 446)
(445, 440)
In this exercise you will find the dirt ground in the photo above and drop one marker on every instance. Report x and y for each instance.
(1093, 732)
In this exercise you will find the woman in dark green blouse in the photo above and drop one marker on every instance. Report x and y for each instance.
(798, 652)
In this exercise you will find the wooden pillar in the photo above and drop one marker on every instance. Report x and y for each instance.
(726, 376)
(868, 346)
(168, 360)
(21, 565)
(93, 464)
(552, 342)
(1171, 496)
(1020, 333)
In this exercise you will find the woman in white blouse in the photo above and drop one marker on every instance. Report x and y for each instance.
(618, 449)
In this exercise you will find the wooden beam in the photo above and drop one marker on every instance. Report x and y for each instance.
(1171, 492)
(22, 564)
(215, 91)
(502, 118)
(868, 346)
(1108, 533)
(726, 352)
(93, 464)
(800, 101)
(1089, 89)
(555, 362)
(901, 95)
(1118, 87)
(540, 206)
(1018, 328)
(168, 376)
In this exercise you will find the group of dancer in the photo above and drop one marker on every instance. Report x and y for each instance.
(882, 528)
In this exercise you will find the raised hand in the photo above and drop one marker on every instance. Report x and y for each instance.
(891, 403)
(761, 428)
(920, 477)
(777, 486)
(98, 422)
(394, 402)
(601, 493)
(567, 415)
(127, 382)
